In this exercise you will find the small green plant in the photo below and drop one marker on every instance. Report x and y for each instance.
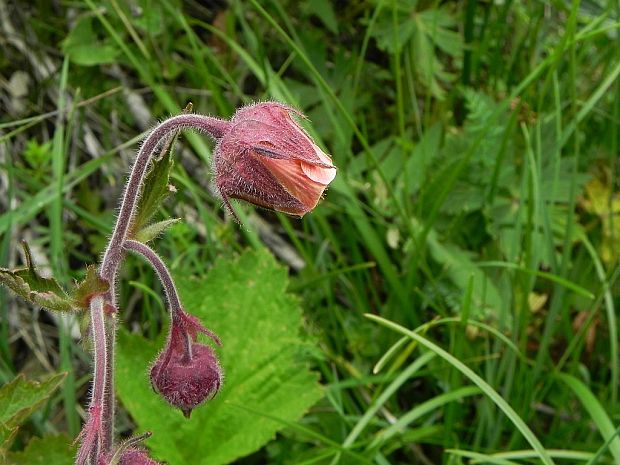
(262, 156)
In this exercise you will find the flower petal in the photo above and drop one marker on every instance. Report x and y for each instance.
(291, 176)
(318, 173)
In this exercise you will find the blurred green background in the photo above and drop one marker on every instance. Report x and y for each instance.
(476, 205)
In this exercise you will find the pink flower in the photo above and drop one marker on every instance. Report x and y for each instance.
(187, 373)
(186, 382)
(130, 456)
(266, 158)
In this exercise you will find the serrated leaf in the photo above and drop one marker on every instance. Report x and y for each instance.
(48, 450)
(46, 292)
(245, 303)
(7, 435)
(91, 286)
(20, 397)
(150, 232)
(31, 286)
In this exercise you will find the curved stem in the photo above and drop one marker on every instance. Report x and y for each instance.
(176, 308)
(213, 126)
(169, 288)
(161, 269)
(103, 381)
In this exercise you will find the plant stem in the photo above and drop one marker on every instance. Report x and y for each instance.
(91, 433)
(97, 434)
(107, 438)
(114, 253)
(176, 309)
(162, 272)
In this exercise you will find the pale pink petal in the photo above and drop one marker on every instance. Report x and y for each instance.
(292, 177)
(318, 173)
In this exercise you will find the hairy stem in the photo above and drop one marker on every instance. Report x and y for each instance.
(97, 434)
(213, 126)
(91, 434)
(110, 402)
(161, 269)
(169, 288)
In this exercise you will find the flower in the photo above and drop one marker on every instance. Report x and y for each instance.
(186, 373)
(186, 382)
(266, 158)
(134, 456)
(130, 456)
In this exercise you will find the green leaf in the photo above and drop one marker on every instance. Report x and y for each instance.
(486, 388)
(430, 34)
(324, 10)
(20, 397)
(37, 154)
(422, 156)
(83, 47)
(91, 286)
(150, 232)
(28, 284)
(460, 268)
(245, 303)
(7, 435)
(46, 292)
(597, 412)
(49, 450)
(155, 189)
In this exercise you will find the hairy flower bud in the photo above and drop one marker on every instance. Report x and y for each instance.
(134, 456)
(184, 380)
(266, 158)
(130, 456)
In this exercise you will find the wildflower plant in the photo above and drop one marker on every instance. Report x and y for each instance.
(262, 155)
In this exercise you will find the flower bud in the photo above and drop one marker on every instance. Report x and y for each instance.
(185, 380)
(130, 456)
(134, 456)
(266, 158)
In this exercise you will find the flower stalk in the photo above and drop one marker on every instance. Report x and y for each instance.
(262, 156)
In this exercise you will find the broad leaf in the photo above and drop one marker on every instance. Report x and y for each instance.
(245, 303)
(27, 283)
(20, 397)
(31, 286)
(49, 450)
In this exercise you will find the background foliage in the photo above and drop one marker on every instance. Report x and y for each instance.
(474, 216)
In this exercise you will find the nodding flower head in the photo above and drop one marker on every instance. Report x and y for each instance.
(186, 373)
(266, 158)
(185, 382)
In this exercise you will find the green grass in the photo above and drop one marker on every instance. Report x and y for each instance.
(474, 216)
